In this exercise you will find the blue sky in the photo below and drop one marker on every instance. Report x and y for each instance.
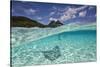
(45, 12)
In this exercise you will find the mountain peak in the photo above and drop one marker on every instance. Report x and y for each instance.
(55, 23)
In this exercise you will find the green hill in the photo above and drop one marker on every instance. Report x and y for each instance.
(20, 21)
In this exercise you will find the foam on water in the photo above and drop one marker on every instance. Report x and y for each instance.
(76, 44)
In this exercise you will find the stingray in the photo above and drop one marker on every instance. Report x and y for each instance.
(52, 54)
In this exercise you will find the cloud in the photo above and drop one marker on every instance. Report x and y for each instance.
(52, 13)
(82, 14)
(53, 19)
(91, 7)
(30, 11)
(70, 13)
(39, 18)
(81, 8)
(54, 8)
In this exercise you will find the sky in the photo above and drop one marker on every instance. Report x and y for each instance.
(46, 12)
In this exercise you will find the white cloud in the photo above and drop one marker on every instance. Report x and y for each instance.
(53, 19)
(30, 11)
(70, 13)
(81, 8)
(91, 7)
(52, 13)
(74, 16)
(82, 14)
(39, 18)
(54, 8)
(65, 17)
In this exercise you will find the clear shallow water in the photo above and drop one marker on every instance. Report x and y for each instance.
(75, 46)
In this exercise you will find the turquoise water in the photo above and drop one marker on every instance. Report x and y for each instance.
(75, 46)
